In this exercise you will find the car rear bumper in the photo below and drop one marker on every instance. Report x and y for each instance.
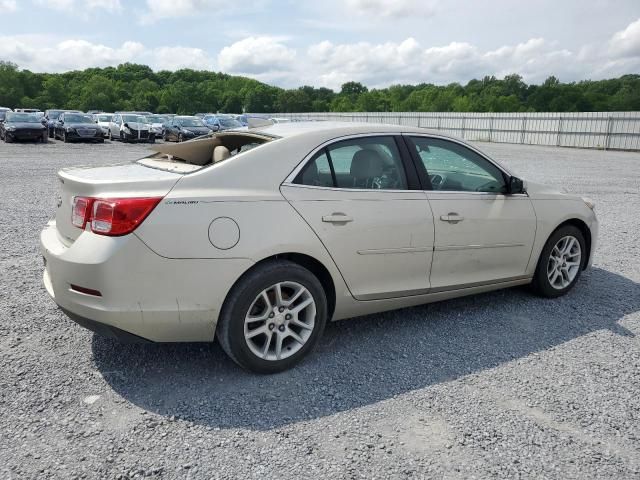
(143, 296)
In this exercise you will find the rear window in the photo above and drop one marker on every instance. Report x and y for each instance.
(191, 156)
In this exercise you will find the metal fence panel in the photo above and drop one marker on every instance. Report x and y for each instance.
(606, 130)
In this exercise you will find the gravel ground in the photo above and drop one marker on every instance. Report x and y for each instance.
(503, 385)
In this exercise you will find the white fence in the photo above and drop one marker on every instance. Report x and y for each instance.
(606, 130)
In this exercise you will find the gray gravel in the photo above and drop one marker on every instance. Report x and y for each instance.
(502, 385)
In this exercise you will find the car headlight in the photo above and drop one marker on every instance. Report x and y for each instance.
(11, 129)
(589, 203)
(188, 132)
(69, 129)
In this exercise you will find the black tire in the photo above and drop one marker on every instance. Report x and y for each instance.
(180, 138)
(45, 137)
(230, 330)
(64, 137)
(7, 138)
(110, 136)
(541, 283)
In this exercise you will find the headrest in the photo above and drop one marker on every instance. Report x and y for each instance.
(366, 164)
(220, 153)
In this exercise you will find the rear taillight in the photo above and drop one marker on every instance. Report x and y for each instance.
(113, 216)
(81, 211)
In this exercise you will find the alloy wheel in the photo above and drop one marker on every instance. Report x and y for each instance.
(564, 262)
(280, 320)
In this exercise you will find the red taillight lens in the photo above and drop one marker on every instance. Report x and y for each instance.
(81, 211)
(111, 216)
(120, 216)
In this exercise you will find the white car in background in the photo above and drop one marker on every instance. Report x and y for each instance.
(260, 237)
(157, 124)
(103, 120)
(130, 127)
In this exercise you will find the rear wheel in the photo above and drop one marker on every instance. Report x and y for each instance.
(560, 262)
(273, 317)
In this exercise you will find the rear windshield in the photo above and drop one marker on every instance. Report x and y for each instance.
(196, 154)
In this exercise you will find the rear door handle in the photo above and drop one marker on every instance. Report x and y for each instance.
(452, 217)
(337, 218)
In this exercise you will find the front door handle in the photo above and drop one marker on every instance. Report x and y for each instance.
(452, 217)
(337, 218)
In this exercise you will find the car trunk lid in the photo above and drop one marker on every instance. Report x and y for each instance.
(130, 180)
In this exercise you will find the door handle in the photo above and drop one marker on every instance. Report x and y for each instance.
(337, 218)
(452, 217)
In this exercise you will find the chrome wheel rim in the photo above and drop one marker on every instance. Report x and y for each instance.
(280, 321)
(564, 262)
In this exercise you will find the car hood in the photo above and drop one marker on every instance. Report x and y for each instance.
(138, 126)
(81, 125)
(540, 191)
(25, 125)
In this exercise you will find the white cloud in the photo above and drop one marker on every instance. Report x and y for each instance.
(81, 7)
(626, 43)
(257, 55)
(391, 8)
(174, 58)
(45, 54)
(8, 6)
(156, 10)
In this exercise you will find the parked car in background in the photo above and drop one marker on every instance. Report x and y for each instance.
(77, 127)
(359, 219)
(280, 120)
(22, 126)
(103, 120)
(182, 128)
(130, 127)
(157, 124)
(3, 112)
(27, 110)
(221, 122)
(137, 113)
(93, 112)
(51, 117)
(243, 119)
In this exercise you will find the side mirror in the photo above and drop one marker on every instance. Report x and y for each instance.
(126, 125)
(516, 185)
(214, 128)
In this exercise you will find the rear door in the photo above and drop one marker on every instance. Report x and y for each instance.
(482, 234)
(361, 197)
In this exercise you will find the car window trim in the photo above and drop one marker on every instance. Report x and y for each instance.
(290, 179)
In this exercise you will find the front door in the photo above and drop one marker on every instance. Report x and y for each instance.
(482, 234)
(355, 196)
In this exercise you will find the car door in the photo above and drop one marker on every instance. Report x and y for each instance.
(361, 197)
(483, 234)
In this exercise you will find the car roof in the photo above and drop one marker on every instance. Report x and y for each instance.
(337, 129)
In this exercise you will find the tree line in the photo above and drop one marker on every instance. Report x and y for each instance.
(138, 87)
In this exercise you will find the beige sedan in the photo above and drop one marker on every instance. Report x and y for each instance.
(259, 237)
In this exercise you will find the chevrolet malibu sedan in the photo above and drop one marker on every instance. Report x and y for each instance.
(260, 237)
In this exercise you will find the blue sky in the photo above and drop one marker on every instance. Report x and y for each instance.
(289, 43)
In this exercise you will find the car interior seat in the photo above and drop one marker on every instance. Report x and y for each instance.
(220, 153)
(366, 166)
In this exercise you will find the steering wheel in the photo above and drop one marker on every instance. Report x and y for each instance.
(437, 181)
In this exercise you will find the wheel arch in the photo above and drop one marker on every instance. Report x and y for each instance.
(586, 232)
(307, 261)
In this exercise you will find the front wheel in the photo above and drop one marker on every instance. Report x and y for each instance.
(180, 138)
(273, 317)
(560, 262)
(64, 137)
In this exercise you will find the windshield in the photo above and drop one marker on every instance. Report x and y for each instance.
(133, 118)
(103, 118)
(190, 122)
(229, 122)
(157, 119)
(76, 118)
(22, 117)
